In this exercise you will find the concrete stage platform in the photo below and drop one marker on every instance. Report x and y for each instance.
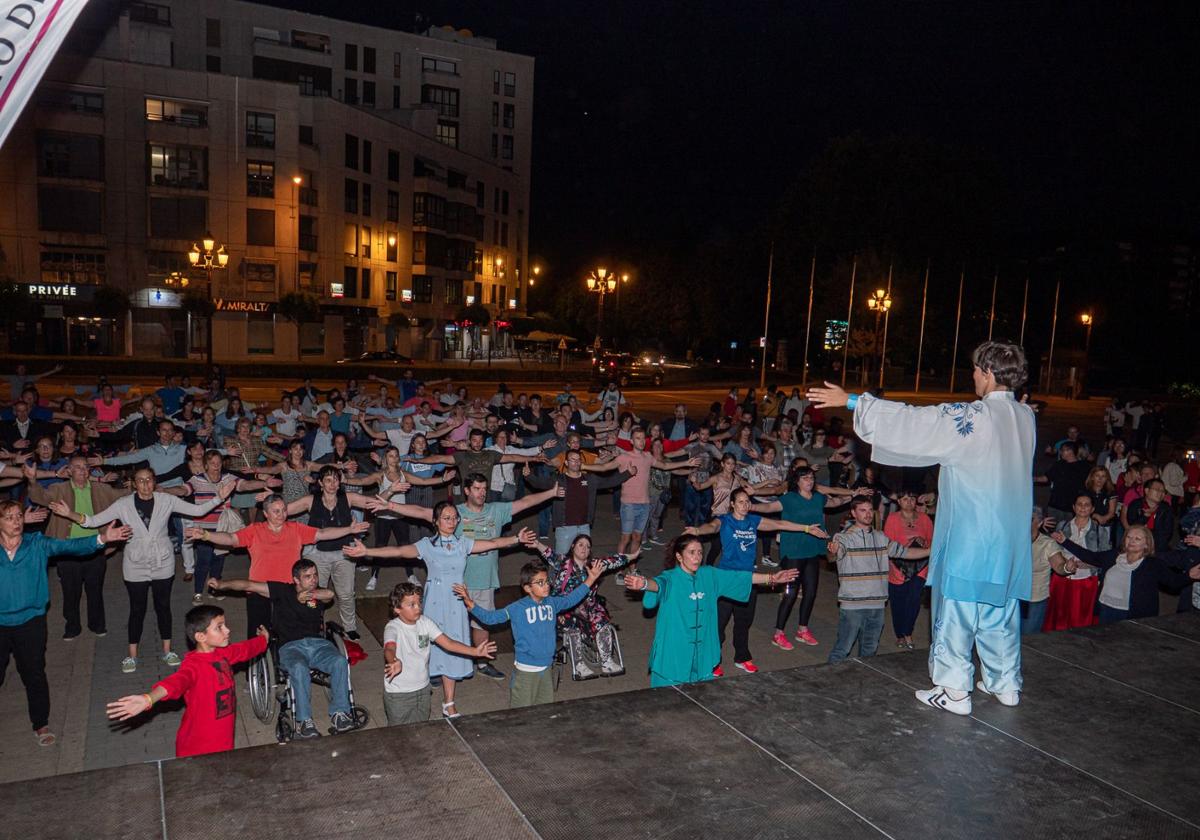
(1104, 744)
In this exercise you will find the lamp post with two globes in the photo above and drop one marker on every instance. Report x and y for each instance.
(209, 258)
(880, 302)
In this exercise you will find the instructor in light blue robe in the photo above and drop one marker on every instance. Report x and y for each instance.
(980, 563)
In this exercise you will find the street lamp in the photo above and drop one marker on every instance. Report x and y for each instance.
(880, 302)
(602, 283)
(211, 257)
(1086, 318)
(296, 182)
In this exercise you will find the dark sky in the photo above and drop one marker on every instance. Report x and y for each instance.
(659, 123)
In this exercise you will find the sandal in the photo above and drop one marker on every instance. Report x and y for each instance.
(446, 707)
(45, 739)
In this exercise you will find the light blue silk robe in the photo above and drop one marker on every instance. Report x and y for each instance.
(981, 550)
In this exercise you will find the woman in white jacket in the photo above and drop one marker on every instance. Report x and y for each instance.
(148, 561)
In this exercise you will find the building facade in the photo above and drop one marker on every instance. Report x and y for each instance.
(384, 173)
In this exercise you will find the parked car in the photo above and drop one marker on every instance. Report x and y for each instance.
(377, 357)
(625, 368)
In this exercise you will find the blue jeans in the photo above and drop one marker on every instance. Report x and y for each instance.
(564, 535)
(697, 505)
(1033, 615)
(1108, 615)
(208, 564)
(634, 516)
(864, 625)
(298, 657)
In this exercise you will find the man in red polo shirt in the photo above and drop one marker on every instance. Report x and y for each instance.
(274, 545)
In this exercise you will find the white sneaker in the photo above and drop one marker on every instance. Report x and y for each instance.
(1006, 698)
(940, 698)
(171, 659)
(197, 598)
(583, 671)
(415, 581)
(610, 667)
(372, 583)
(128, 665)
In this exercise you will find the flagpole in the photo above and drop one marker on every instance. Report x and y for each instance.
(887, 313)
(849, 316)
(992, 317)
(957, 324)
(1053, 330)
(812, 278)
(1024, 309)
(921, 339)
(762, 373)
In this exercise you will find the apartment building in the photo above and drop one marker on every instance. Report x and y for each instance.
(385, 173)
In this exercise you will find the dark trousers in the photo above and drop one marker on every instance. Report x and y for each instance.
(803, 587)
(80, 575)
(386, 528)
(27, 644)
(138, 590)
(906, 604)
(258, 614)
(742, 613)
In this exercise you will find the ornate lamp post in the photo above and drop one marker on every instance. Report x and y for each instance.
(602, 283)
(211, 258)
(881, 303)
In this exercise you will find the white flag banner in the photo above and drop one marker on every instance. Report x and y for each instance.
(31, 31)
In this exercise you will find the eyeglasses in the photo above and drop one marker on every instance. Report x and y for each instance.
(541, 582)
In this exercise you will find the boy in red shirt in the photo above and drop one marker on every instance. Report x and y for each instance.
(204, 681)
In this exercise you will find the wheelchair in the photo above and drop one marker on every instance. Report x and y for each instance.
(588, 658)
(272, 696)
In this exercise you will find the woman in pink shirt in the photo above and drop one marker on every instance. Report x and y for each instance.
(906, 578)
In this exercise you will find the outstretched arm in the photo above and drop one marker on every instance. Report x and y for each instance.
(400, 552)
(703, 530)
(535, 499)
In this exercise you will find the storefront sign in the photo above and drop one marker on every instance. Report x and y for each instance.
(258, 306)
(337, 290)
(55, 291)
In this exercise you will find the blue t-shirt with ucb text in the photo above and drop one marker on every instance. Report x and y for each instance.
(534, 624)
(738, 542)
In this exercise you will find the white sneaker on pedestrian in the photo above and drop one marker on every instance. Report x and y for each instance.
(415, 581)
(197, 598)
(171, 659)
(767, 561)
(372, 583)
(128, 665)
(940, 698)
(1006, 698)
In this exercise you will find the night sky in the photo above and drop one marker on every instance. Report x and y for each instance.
(662, 126)
(656, 122)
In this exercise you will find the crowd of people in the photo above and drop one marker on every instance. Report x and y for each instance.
(431, 476)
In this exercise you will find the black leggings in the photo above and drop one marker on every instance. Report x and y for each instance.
(138, 590)
(386, 527)
(810, 574)
(742, 613)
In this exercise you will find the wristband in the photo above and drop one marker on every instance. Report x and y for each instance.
(851, 401)
(149, 700)
(645, 584)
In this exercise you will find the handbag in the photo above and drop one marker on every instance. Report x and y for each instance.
(228, 522)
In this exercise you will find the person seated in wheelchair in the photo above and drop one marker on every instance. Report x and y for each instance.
(298, 627)
(587, 629)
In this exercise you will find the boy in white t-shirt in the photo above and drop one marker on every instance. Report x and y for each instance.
(406, 640)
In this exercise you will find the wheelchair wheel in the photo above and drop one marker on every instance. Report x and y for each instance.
(360, 716)
(261, 676)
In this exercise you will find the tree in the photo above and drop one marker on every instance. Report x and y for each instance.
(300, 308)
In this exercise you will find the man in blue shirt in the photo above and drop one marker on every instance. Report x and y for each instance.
(24, 594)
(171, 396)
(163, 456)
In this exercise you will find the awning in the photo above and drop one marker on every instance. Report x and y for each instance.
(542, 335)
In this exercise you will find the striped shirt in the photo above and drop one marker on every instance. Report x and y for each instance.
(203, 491)
(862, 560)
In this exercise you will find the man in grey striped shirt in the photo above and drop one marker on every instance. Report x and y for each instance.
(862, 554)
